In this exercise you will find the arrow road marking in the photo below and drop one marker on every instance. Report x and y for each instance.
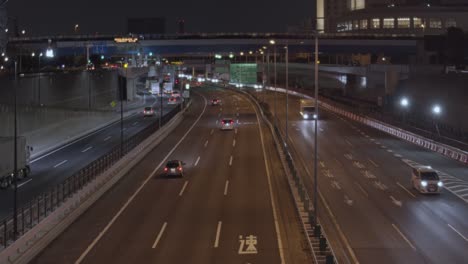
(396, 202)
(348, 201)
(336, 185)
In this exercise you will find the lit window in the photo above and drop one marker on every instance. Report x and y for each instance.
(356, 24)
(450, 22)
(417, 22)
(435, 23)
(363, 24)
(403, 22)
(376, 23)
(388, 22)
(349, 26)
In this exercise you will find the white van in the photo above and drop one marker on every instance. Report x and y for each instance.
(425, 180)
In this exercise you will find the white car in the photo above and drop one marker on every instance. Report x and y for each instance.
(227, 124)
(175, 94)
(148, 111)
(426, 180)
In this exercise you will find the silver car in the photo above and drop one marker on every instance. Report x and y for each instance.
(426, 180)
(227, 124)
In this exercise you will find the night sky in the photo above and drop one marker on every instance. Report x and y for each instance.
(42, 17)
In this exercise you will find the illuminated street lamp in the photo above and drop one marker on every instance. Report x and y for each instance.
(436, 110)
(6, 59)
(404, 102)
(273, 42)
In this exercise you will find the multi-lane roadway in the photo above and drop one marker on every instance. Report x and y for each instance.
(226, 208)
(364, 179)
(54, 167)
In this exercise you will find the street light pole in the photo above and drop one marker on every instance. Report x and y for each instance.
(315, 127)
(287, 94)
(15, 160)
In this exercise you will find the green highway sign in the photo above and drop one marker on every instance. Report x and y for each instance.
(245, 73)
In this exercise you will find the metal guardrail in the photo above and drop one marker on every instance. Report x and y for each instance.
(316, 236)
(41, 206)
(448, 151)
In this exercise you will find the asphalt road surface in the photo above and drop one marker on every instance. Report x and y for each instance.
(54, 167)
(222, 211)
(364, 177)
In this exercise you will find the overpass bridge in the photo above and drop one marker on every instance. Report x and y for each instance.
(207, 44)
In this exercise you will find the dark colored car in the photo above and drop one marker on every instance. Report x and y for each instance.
(174, 168)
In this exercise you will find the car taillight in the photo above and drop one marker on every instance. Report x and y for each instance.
(179, 168)
(223, 122)
(232, 121)
(165, 169)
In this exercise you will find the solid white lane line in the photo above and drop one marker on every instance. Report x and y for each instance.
(196, 162)
(23, 183)
(234, 143)
(456, 231)
(403, 236)
(212, 131)
(107, 138)
(373, 163)
(61, 163)
(104, 231)
(206, 143)
(183, 188)
(86, 149)
(218, 233)
(349, 143)
(270, 188)
(159, 235)
(403, 187)
(362, 189)
(226, 188)
(230, 161)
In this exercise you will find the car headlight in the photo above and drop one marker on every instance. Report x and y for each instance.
(424, 183)
(306, 116)
(315, 116)
(440, 184)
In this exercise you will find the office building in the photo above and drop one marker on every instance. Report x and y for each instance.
(393, 17)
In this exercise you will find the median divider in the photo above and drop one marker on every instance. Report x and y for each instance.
(75, 203)
(448, 151)
(316, 237)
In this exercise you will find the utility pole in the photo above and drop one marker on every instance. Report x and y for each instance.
(315, 127)
(15, 160)
(287, 95)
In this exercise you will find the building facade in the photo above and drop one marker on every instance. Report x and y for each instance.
(394, 17)
(3, 27)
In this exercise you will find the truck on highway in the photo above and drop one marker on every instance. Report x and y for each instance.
(7, 160)
(155, 88)
(307, 109)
